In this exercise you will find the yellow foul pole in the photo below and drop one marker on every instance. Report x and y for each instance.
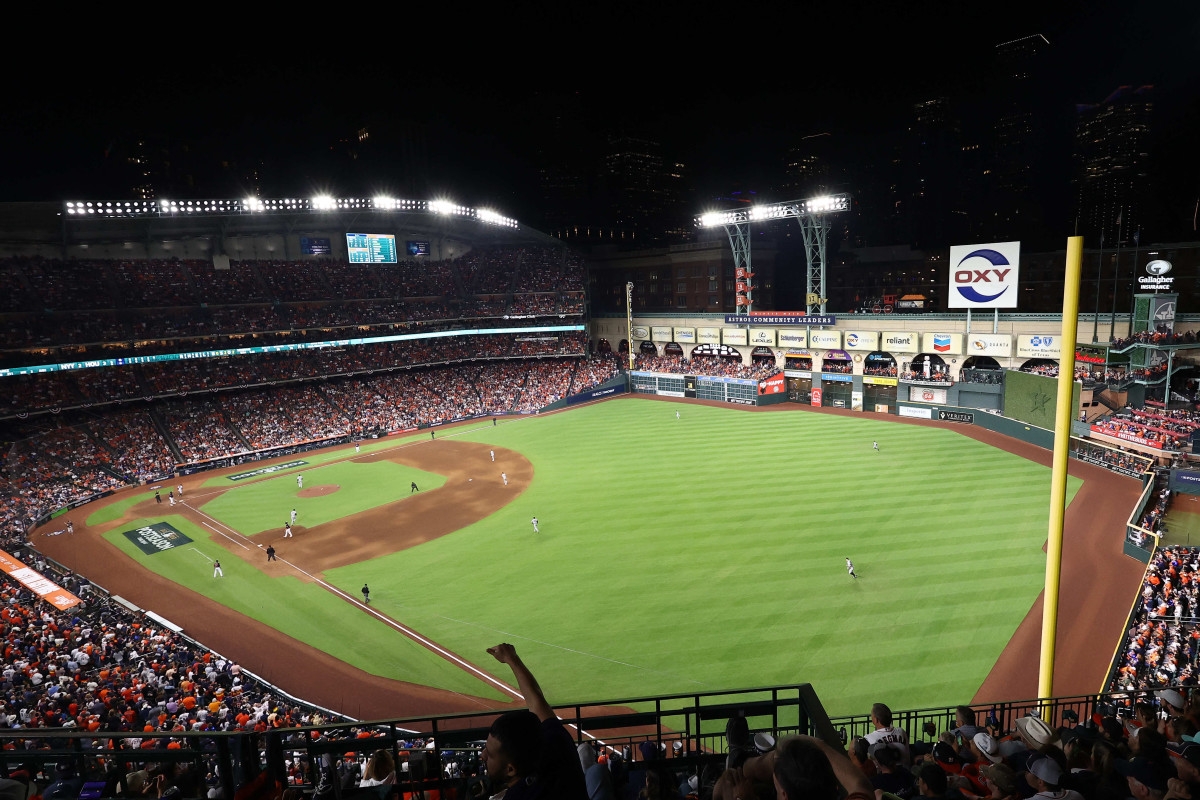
(1063, 417)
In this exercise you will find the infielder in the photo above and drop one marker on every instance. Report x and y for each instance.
(171, 497)
(504, 475)
(293, 516)
(493, 452)
(217, 573)
(179, 489)
(287, 530)
(850, 568)
(299, 481)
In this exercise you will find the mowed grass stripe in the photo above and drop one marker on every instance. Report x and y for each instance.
(709, 551)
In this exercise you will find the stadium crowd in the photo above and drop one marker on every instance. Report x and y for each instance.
(59, 459)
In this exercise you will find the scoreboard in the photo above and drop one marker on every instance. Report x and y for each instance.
(371, 248)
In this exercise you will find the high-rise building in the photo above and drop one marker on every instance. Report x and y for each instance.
(1112, 163)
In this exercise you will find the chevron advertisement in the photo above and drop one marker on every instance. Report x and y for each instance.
(950, 344)
(984, 275)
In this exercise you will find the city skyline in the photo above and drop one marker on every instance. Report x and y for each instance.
(367, 125)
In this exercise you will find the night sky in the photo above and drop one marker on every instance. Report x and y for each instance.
(725, 89)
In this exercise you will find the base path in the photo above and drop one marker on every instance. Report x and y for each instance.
(473, 490)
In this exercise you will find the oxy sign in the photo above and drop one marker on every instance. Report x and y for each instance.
(984, 275)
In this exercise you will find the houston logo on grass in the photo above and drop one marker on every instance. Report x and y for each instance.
(984, 276)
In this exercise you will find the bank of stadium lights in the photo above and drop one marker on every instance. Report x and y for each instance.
(254, 205)
(825, 204)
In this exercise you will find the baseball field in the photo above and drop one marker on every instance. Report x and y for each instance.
(698, 553)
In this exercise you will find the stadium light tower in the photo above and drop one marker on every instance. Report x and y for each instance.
(812, 214)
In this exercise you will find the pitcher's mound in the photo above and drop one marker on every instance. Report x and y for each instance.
(320, 491)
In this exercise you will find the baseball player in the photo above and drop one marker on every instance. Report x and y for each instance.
(299, 481)
(157, 497)
(356, 448)
(414, 488)
(504, 476)
(493, 452)
(850, 568)
(535, 527)
(179, 490)
(70, 527)
(875, 446)
(287, 530)
(676, 415)
(171, 497)
(293, 516)
(217, 573)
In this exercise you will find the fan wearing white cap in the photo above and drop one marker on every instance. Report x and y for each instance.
(986, 752)
(1044, 775)
(1171, 701)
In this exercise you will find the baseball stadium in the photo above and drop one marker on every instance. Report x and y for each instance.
(271, 491)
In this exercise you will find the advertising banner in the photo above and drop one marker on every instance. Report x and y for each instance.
(956, 416)
(780, 318)
(949, 344)
(157, 537)
(793, 338)
(708, 336)
(871, 379)
(856, 400)
(733, 336)
(997, 345)
(916, 413)
(660, 333)
(881, 408)
(926, 394)
(762, 336)
(900, 342)
(862, 340)
(773, 385)
(984, 275)
(835, 377)
(685, 335)
(816, 397)
(641, 332)
(825, 340)
(241, 476)
(37, 583)
(1038, 346)
(1162, 311)
(1127, 437)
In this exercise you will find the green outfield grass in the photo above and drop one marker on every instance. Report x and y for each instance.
(266, 504)
(305, 611)
(709, 553)
(699, 554)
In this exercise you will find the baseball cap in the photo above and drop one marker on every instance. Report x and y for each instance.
(987, 746)
(1188, 751)
(1001, 775)
(1172, 697)
(1144, 771)
(1045, 768)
